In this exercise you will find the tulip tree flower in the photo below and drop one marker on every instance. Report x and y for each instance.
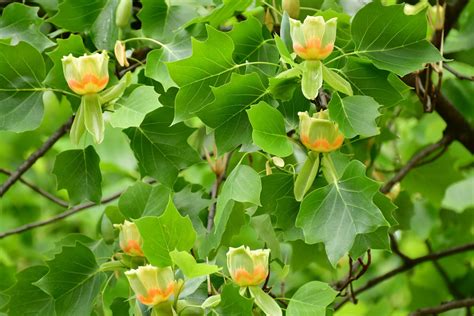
(313, 41)
(248, 267)
(153, 285)
(88, 76)
(129, 239)
(318, 133)
(314, 38)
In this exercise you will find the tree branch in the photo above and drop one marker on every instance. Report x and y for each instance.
(15, 176)
(415, 160)
(38, 190)
(71, 211)
(444, 307)
(408, 265)
(457, 73)
(452, 289)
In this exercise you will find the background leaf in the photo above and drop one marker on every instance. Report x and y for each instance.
(269, 130)
(72, 283)
(78, 172)
(392, 40)
(336, 213)
(22, 68)
(355, 115)
(311, 299)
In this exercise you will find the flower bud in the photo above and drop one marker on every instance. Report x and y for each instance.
(248, 267)
(87, 74)
(123, 13)
(120, 55)
(292, 7)
(152, 285)
(314, 38)
(318, 133)
(436, 17)
(129, 239)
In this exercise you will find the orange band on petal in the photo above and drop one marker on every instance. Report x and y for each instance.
(313, 49)
(155, 296)
(89, 84)
(243, 277)
(133, 247)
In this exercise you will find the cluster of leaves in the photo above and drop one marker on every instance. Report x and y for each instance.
(206, 80)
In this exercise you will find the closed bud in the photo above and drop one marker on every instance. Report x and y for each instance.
(318, 133)
(248, 267)
(87, 74)
(120, 55)
(314, 38)
(436, 17)
(129, 239)
(292, 7)
(153, 285)
(123, 13)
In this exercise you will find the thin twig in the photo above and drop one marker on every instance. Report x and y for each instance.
(396, 250)
(444, 307)
(445, 141)
(408, 266)
(452, 289)
(15, 176)
(71, 211)
(457, 73)
(38, 190)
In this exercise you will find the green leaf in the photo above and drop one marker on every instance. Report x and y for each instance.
(162, 18)
(73, 280)
(131, 110)
(104, 32)
(277, 198)
(28, 299)
(336, 213)
(142, 199)
(189, 266)
(290, 108)
(377, 239)
(338, 83)
(306, 176)
(313, 298)
(269, 130)
(210, 65)
(284, 53)
(78, 172)
(72, 45)
(224, 12)
(392, 40)
(355, 115)
(22, 68)
(266, 303)
(156, 68)
(265, 232)
(162, 150)
(283, 87)
(459, 196)
(227, 113)
(21, 23)
(232, 303)
(242, 185)
(78, 15)
(368, 80)
(163, 234)
(247, 37)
